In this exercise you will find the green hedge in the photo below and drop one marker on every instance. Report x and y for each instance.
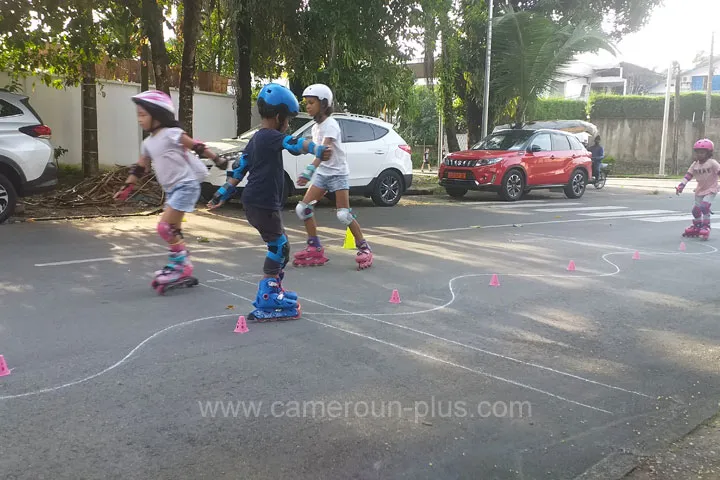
(637, 106)
(558, 109)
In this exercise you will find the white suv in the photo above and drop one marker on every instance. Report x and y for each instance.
(379, 159)
(26, 154)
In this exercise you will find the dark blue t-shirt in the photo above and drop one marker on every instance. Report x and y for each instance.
(266, 173)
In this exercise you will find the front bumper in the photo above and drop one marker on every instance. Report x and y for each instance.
(484, 179)
(46, 182)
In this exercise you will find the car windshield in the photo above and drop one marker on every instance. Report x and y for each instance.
(295, 124)
(506, 140)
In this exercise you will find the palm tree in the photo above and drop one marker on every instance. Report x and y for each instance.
(528, 52)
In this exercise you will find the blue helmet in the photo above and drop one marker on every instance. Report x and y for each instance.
(275, 99)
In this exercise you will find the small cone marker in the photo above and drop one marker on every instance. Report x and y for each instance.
(349, 240)
(4, 370)
(395, 297)
(571, 266)
(241, 326)
(494, 281)
(636, 255)
(682, 246)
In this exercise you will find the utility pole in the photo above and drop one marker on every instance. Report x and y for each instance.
(666, 115)
(676, 137)
(488, 56)
(711, 74)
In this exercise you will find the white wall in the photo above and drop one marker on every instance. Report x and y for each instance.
(119, 136)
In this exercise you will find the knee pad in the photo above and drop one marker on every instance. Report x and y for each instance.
(345, 216)
(305, 210)
(168, 232)
(279, 250)
(696, 211)
(705, 208)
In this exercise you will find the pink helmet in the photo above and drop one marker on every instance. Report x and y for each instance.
(704, 144)
(155, 98)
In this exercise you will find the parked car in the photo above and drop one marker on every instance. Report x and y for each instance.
(513, 162)
(26, 155)
(379, 159)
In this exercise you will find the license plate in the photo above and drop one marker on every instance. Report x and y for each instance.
(456, 175)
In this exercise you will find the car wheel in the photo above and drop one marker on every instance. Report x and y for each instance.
(576, 187)
(388, 189)
(8, 198)
(456, 192)
(512, 187)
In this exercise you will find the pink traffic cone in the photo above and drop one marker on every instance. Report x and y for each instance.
(682, 246)
(395, 297)
(241, 326)
(636, 255)
(494, 281)
(4, 370)
(571, 266)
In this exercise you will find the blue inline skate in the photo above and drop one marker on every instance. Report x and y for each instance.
(288, 294)
(272, 304)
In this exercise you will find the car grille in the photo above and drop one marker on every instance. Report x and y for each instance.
(460, 163)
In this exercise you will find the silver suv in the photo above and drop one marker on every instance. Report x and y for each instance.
(26, 154)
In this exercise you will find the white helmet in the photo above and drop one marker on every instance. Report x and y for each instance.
(320, 91)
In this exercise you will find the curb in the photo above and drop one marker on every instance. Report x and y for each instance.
(83, 217)
(413, 192)
(615, 466)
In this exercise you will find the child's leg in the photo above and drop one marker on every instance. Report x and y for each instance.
(342, 201)
(705, 205)
(314, 253)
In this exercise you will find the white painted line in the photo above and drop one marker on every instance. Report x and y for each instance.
(534, 205)
(669, 218)
(457, 365)
(629, 213)
(578, 209)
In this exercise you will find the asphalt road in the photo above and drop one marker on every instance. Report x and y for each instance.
(541, 377)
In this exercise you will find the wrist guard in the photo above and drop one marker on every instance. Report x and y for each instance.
(137, 170)
(199, 148)
(308, 172)
(293, 145)
(223, 193)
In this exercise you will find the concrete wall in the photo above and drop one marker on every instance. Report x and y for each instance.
(119, 136)
(635, 143)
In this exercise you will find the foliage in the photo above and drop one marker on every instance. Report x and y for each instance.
(636, 106)
(418, 117)
(530, 49)
(558, 109)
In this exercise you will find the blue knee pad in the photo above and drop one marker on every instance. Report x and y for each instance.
(279, 250)
(305, 210)
(345, 216)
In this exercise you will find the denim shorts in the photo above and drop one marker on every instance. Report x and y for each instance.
(331, 183)
(183, 196)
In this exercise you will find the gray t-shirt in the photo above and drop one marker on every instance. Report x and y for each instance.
(168, 157)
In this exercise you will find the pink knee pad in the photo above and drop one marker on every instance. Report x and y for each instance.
(167, 232)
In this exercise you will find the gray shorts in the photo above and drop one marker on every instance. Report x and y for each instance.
(709, 198)
(331, 183)
(184, 196)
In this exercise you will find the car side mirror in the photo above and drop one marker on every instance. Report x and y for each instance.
(534, 149)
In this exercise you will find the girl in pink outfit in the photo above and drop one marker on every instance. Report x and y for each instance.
(705, 171)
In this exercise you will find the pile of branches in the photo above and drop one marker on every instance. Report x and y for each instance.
(99, 191)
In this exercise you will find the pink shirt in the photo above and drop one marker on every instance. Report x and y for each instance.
(706, 175)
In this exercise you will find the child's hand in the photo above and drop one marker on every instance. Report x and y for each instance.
(213, 204)
(302, 181)
(678, 190)
(327, 154)
(125, 192)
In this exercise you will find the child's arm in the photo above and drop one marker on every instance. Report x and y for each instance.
(202, 150)
(685, 180)
(136, 172)
(223, 194)
(307, 174)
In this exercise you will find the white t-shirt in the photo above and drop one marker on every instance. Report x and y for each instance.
(168, 157)
(337, 165)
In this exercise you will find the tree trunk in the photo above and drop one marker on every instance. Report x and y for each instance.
(90, 161)
(153, 22)
(243, 79)
(144, 72)
(446, 91)
(191, 31)
(474, 121)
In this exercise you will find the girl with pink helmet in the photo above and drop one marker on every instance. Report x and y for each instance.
(705, 170)
(179, 173)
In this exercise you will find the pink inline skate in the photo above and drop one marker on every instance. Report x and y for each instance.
(693, 230)
(177, 273)
(310, 257)
(705, 230)
(364, 257)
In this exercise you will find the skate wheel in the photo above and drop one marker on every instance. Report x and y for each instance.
(154, 284)
(160, 289)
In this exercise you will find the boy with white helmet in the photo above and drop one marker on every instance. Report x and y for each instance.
(178, 173)
(329, 176)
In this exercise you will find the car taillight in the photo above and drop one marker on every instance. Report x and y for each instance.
(37, 131)
(406, 148)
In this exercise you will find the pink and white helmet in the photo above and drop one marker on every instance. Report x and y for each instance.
(704, 144)
(155, 98)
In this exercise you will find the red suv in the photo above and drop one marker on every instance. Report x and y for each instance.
(513, 162)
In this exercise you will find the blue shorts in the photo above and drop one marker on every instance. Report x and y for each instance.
(331, 183)
(183, 196)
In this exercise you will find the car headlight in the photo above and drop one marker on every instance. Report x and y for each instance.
(488, 161)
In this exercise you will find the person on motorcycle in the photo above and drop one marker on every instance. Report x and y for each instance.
(598, 154)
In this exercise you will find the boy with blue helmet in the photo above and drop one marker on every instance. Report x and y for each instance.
(262, 198)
